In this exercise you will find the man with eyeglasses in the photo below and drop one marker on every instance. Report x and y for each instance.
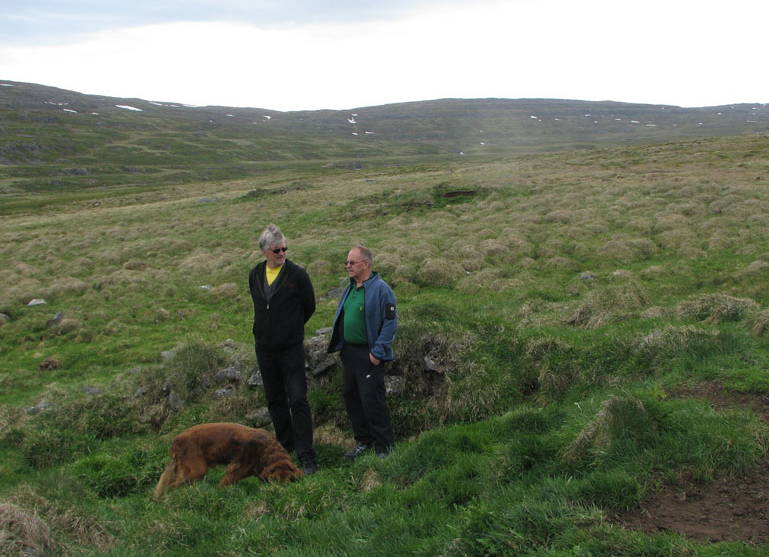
(364, 330)
(284, 300)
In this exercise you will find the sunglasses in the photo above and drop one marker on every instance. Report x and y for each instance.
(278, 250)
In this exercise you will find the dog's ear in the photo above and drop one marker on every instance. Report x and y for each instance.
(283, 471)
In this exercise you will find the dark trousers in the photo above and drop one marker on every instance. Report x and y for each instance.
(363, 389)
(285, 386)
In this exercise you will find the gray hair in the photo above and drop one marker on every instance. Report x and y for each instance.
(365, 253)
(271, 236)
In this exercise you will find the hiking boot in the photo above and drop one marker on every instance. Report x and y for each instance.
(357, 450)
(308, 466)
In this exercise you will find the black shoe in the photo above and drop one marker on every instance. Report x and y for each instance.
(308, 466)
(357, 450)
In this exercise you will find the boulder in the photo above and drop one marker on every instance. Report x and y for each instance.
(317, 361)
(255, 380)
(231, 373)
(39, 408)
(55, 320)
(175, 402)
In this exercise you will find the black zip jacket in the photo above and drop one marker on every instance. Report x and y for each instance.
(279, 319)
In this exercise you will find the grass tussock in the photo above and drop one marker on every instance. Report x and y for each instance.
(758, 323)
(543, 320)
(609, 304)
(617, 416)
(23, 533)
(436, 373)
(660, 348)
(629, 250)
(70, 527)
(440, 272)
(319, 267)
(717, 308)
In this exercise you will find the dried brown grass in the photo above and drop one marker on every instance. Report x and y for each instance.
(609, 303)
(616, 415)
(23, 533)
(716, 308)
(758, 323)
(318, 268)
(758, 267)
(66, 527)
(226, 291)
(437, 271)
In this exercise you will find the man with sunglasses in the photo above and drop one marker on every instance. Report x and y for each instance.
(284, 300)
(364, 330)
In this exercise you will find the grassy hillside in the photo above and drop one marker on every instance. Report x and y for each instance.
(52, 139)
(569, 303)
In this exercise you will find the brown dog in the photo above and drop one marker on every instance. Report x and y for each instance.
(246, 451)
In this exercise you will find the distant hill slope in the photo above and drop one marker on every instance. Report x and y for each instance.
(96, 136)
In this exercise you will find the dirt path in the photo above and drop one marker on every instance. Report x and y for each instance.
(729, 509)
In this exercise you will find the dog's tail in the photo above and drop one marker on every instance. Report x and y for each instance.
(168, 476)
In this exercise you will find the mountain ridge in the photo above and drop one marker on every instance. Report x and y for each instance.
(89, 140)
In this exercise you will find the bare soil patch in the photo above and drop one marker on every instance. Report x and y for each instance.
(729, 509)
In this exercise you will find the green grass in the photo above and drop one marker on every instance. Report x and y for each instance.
(552, 406)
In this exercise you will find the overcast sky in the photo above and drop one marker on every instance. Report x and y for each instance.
(344, 54)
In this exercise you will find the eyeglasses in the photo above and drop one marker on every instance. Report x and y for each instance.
(276, 251)
(354, 262)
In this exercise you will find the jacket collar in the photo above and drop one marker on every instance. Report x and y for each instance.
(373, 276)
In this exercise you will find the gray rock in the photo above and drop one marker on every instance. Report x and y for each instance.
(334, 293)
(231, 373)
(88, 390)
(224, 392)
(56, 319)
(317, 360)
(255, 380)
(259, 417)
(432, 366)
(175, 402)
(33, 410)
(394, 384)
(322, 365)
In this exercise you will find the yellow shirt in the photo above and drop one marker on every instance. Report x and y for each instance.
(271, 274)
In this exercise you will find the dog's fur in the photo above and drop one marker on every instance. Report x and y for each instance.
(246, 451)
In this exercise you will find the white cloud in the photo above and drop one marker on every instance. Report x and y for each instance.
(658, 52)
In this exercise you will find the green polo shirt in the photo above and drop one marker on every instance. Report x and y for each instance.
(354, 316)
